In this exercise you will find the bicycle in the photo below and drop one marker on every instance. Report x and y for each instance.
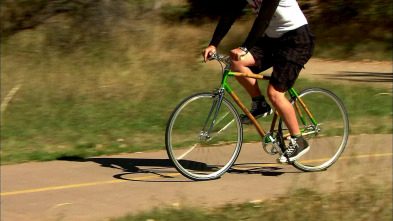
(204, 134)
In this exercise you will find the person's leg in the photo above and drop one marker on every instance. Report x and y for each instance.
(250, 84)
(283, 78)
(294, 49)
(259, 106)
(297, 145)
(284, 108)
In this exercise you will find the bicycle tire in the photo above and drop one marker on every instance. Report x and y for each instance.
(326, 145)
(194, 157)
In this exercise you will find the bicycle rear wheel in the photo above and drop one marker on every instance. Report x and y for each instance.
(194, 151)
(328, 137)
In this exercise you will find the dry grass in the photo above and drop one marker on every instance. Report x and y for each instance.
(365, 203)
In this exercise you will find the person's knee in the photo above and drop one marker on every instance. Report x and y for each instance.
(272, 95)
(237, 66)
(275, 95)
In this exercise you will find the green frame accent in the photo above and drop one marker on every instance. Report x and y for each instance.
(294, 95)
(224, 83)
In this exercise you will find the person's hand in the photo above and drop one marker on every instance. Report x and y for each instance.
(237, 54)
(208, 52)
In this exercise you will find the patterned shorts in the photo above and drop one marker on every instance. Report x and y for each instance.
(287, 55)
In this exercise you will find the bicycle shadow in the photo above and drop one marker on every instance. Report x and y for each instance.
(162, 170)
(135, 169)
(264, 169)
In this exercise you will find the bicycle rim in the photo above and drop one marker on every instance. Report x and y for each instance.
(193, 155)
(328, 139)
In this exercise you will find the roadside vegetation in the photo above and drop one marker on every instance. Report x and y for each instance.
(102, 77)
(366, 203)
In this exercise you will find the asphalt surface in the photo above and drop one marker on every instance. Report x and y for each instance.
(112, 186)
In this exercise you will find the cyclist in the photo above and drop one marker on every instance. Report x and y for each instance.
(279, 38)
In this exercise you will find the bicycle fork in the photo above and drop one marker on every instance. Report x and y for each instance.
(218, 94)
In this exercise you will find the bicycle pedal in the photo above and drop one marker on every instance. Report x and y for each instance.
(283, 160)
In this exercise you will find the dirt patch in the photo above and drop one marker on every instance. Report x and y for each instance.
(373, 73)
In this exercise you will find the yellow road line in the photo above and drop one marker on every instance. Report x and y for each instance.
(59, 187)
(78, 185)
(157, 176)
(251, 166)
(366, 155)
(350, 157)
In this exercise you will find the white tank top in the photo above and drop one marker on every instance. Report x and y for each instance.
(287, 17)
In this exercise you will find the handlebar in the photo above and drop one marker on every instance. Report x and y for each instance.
(220, 58)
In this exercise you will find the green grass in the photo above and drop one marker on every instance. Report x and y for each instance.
(366, 203)
(115, 96)
(103, 99)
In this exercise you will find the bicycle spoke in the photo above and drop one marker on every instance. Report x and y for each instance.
(200, 155)
(183, 155)
(328, 139)
(225, 127)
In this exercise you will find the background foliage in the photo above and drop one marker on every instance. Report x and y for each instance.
(348, 26)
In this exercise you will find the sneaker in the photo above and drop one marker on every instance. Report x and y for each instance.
(259, 108)
(297, 147)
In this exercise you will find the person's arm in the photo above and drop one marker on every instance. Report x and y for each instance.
(232, 10)
(261, 23)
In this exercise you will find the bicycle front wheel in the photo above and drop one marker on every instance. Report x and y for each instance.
(203, 136)
(327, 134)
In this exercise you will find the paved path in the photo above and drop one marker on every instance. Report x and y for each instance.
(374, 73)
(105, 187)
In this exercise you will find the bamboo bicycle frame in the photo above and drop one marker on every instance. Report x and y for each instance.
(291, 91)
